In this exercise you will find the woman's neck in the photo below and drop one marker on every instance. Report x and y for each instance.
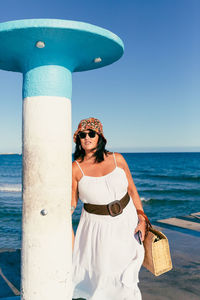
(89, 155)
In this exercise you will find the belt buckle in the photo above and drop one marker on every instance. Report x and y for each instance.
(109, 206)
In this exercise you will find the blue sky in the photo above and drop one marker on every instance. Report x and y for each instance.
(149, 99)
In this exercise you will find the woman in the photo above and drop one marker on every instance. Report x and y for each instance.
(107, 256)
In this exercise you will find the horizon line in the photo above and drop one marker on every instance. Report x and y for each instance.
(128, 151)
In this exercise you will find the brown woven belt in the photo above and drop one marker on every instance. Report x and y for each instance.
(114, 208)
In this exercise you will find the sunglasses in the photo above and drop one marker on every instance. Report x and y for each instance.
(91, 134)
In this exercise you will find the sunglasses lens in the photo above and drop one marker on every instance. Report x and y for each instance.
(82, 135)
(91, 134)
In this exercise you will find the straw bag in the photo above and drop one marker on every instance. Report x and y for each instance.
(157, 253)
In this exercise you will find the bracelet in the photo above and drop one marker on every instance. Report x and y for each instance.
(147, 222)
(141, 212)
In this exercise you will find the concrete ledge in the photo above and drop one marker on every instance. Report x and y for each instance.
(181, 223)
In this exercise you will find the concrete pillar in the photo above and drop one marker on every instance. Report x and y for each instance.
(47, 159)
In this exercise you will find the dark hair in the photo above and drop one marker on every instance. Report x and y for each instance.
(98, 154)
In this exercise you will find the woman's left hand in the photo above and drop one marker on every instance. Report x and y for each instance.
(142, 227)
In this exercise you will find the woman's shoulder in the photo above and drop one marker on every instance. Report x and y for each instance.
(74, 164)
(119, 156)
(76, 172)
(119, 159)
(75, 167)
(115, 153)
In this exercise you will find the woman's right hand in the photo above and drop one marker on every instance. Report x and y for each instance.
(142, 227)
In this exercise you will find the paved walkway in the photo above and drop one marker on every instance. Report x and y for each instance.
(183, 281)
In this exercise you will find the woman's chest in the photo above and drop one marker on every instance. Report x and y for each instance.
(104, 189)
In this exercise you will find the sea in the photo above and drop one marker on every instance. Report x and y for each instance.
(168, 185)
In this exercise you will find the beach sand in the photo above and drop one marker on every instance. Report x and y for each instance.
(182, 282)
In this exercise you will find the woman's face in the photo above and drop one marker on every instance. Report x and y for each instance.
(89, 143)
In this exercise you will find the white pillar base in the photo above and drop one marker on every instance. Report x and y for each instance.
(47, 160)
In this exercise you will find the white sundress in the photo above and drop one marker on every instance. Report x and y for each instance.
(106, 256)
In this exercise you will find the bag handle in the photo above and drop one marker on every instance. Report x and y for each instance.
(140, 212)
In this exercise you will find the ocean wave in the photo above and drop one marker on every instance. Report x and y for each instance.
(194, 178)
(9, 175)
(145, 199)
(11, 188)
(166, 202)
(153, 200)
(11, 214)
(171, 191)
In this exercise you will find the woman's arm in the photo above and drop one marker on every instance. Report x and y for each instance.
(132, 191)
(74, 200)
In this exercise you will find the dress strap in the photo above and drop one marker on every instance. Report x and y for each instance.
(115, 159)
(79, 167)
